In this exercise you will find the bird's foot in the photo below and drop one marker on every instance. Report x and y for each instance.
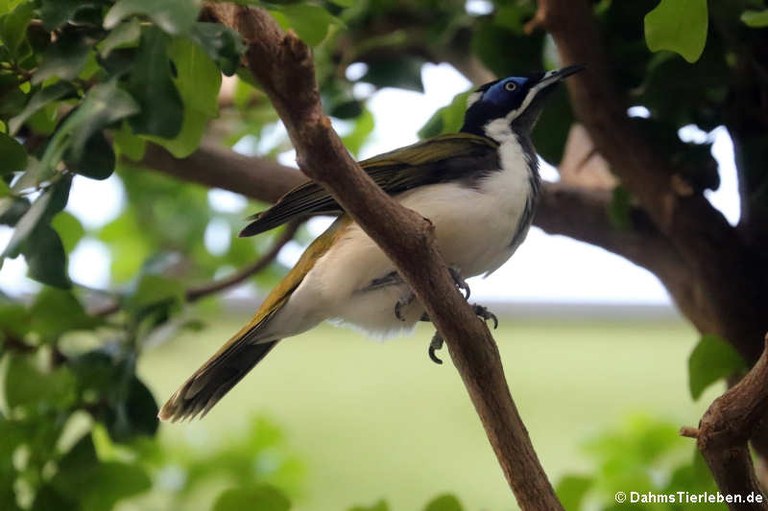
(434, 345)
(437, 341)
(484, 314)
(461, 284)
(403, 302)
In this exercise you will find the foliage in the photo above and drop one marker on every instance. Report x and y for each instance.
(712, 360)
(89, 87)
(642, 456)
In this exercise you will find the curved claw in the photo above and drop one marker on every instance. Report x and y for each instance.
(485, 314)
(435, 344)
(460, 282)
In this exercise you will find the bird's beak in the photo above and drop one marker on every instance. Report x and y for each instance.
(558, 75)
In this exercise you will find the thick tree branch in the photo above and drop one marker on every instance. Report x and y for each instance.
(722, 435)
(698, 231)
(583, 214)
(283, 66)
(216, 167)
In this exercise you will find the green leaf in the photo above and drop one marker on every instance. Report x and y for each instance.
(96, 160)
(128, 144)
(155, 289)
(364, 125)
(13, 27)
(401, 72)
(222, 44)
(79, 135)
(14, 318)
(444, 503)
(55, 13)
(124, 35)
(173, 16)
(755, 19)
(69, 228)
(56, 312)
(40, 99)
(711, 360)
(679, 26)
(97, 485)
(13, 157)
(28, 386)
(447, 119)
(572, 489)
(45, 257)
(42, 210)
(262, 497)
(311, 22)
(151, 84)
(198, 81)
(65, 59)
(134, 415)
(12, 209)
(127, 244)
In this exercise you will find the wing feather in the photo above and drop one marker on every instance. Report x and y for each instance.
(454, 157)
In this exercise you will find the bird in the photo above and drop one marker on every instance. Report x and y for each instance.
(478, 187)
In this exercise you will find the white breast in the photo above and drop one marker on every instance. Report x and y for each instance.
(474, 227)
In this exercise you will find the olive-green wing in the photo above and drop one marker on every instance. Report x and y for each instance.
(454, 157)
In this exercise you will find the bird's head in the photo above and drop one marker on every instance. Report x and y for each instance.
(511, 105)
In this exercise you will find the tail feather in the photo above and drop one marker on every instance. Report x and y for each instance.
(213, 380)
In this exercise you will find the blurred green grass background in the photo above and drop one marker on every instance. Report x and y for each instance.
(372, 420)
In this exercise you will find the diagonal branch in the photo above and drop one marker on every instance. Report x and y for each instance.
(193, 294)
(583, 214)
(216, 167)
(722, 435)
(696, 229)
(283, 66)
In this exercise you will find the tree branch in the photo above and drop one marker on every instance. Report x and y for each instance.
(196, 293)
(731, 420)
(283, 66)
(212, 166)
(688, 220)
(583, 214)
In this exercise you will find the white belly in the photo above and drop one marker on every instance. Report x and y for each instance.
(474, 228)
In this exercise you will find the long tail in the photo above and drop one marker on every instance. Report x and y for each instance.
(215, 378)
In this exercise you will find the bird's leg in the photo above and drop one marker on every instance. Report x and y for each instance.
(460, 282)
(437, 340)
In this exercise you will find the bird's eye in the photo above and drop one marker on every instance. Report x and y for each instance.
(510, 86)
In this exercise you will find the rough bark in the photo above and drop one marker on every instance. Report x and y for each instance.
(725, 279)
(723, 433)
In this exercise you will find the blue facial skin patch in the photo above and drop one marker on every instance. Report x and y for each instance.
(500, 93)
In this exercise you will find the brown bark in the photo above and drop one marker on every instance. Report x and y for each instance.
(283, 66)
(724, 278)
(723, 433)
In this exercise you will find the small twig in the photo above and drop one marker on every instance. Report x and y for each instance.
(265, 260)
(725, 429)
(689, 432)
(196, 293)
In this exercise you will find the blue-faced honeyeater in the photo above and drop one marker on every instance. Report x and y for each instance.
(478, 187)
